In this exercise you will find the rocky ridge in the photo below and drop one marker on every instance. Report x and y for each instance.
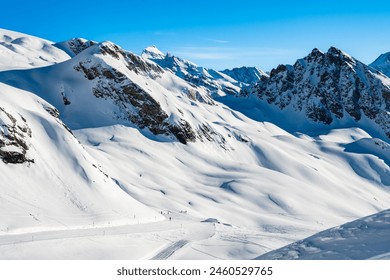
(215, 82)
(328, 86)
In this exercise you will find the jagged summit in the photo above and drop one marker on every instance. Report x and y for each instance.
(382, 64)
(75, 46)
(330, 86)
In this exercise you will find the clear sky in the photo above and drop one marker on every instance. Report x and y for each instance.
(213, 33)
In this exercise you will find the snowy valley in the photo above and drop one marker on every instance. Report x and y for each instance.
(106, 154)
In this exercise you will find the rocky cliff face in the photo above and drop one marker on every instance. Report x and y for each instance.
(329, 86)
(134, 102)
(14, 135)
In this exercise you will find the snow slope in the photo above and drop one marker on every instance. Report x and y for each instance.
(366, 238)
(56, 184)
(268, 190)
(20, 51)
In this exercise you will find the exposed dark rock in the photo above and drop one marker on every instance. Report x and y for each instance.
(135, 104)
(13, 134)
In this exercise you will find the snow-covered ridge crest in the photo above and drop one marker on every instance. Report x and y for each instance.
(216, 83)
(21, 51)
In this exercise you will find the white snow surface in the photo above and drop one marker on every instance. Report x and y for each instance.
(366, 238)
(21, 51)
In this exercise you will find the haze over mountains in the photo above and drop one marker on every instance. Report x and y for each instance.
(182, 161)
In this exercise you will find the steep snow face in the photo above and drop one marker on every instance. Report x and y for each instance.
(21, 51)
(74, 46)
(105, 85)
(214, 82)
(245, 75)
(366, 238)
(327, 88)
(382, 63)
(47, 178)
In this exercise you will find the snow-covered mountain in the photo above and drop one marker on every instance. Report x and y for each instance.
(119, 88)
(366, 238)
(109, 138)
(329, 88)
(245, 75)
(20, 51)
(214, 82)
(382, 63)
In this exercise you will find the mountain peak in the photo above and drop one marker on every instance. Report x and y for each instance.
(382, 64)
(329, 88)
(74, 46)
(316, 52)
(335, 52)
(152, 52)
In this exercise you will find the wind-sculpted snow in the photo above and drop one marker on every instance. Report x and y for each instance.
(48, 180)
(21, 51)
(366, 238)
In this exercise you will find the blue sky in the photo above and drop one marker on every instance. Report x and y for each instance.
(216, 34)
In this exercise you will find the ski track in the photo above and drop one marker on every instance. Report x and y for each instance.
(10, 239)
(170, 250)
